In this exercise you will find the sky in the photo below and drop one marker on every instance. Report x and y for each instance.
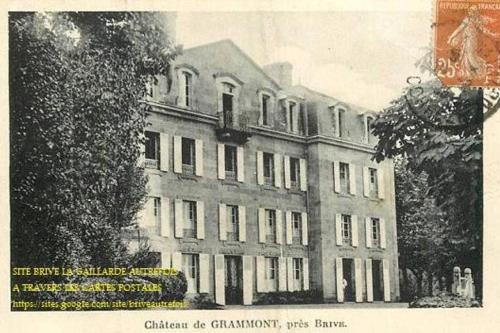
(360, 57)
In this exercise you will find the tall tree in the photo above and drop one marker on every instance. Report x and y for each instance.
(76, 80)
(438, 131)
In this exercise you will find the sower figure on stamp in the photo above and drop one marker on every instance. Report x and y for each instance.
(466, 37)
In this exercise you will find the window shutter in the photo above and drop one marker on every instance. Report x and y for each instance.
(221, 161)
(387, 283)
(368, 229)
(165, 259)
(277, 170)
(198, 164)
(240, 168)
(242, 220)
(204, 273)
(262, 225)
(339, 279)
(289, 269)
(260, 168)
(200, 220)
(177, 261)
(352, 178)
(303, 175)
(305, 232)
(222, 222)
(165, 217)
(220, 292)
(288, 226)
(336, 176)
(247, 280)
(177, 154)
(382, 233)
(381, 183)
(305, 262)
(163, 151)
(261, 269)
(286, 166)
(369, 281)
(358, 280)
(279, 227)
(338, 228)
(282, 274)
(178, 218)
(354, 229)
(366, 182)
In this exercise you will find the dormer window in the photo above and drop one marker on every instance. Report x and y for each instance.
(368, 127)
(292, 109)
(228, 89)
(265, 103)
(186, 81)
(186, 76)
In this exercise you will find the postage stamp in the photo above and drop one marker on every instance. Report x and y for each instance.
(467, 42)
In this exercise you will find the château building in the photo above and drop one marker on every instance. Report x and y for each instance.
(257, 185)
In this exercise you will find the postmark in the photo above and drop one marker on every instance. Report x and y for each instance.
(467, 42)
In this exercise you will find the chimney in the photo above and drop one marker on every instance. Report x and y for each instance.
(281, 72)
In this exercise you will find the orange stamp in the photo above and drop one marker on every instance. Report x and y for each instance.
(467, 42)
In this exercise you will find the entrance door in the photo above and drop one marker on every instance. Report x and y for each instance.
(348, 283)
(234, 280)
(377, 278)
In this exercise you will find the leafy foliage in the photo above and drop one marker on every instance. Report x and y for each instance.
(437, 131)
(76, 123)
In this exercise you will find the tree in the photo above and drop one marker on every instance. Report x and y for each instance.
(437, 130)
(76, 80)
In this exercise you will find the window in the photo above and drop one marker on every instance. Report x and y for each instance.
(232, 223)
(340, 123)
(227, 103)
(373, 181)
(156, 213)
(153, 213)
(297, 273)
(294, 172)
(190, 268)
(152, 152)
(271, 226)
(187, 81)
(346, 229)
(230, 161)
(272, 273)
(265, 105)
(296, 228)
(369, 122)
(189, 219)
(291, 116)
(268, 168)
(188, 156)
(375, 232)
(344, 177)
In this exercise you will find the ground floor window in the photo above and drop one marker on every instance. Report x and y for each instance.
(298, 270)
(272, 273)
(190, 268)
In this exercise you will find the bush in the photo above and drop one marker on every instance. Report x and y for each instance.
(290, 297)
(204, 301)
(444, 301)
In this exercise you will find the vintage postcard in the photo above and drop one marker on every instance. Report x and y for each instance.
(265, 165)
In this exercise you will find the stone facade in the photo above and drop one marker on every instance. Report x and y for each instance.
(248, 199)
